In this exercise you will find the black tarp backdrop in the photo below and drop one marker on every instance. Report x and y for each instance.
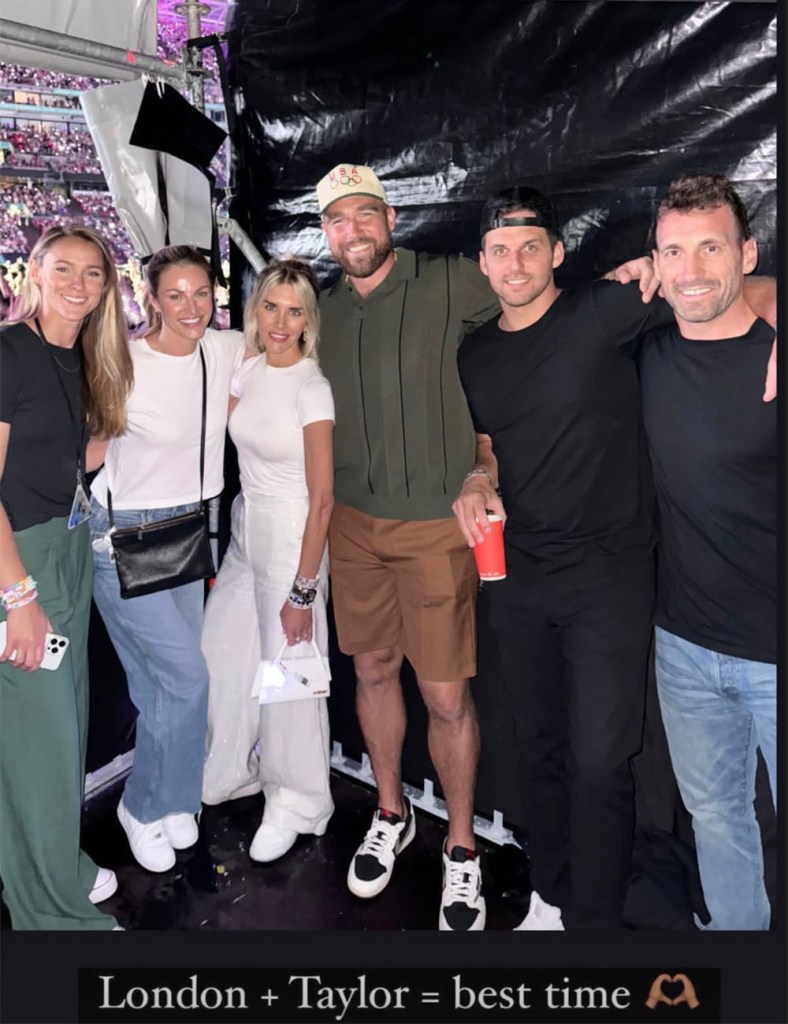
(599, 104)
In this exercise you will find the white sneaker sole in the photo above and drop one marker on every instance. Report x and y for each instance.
(99, 893)
(366, 890)
(538, 928)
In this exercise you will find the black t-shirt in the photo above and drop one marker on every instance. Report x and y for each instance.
(713, 445)
(40, 474)
(560, 401)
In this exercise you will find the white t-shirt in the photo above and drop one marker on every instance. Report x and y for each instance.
(156, 463)
(267, 425)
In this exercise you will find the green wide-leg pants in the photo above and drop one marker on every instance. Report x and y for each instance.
(43, 735)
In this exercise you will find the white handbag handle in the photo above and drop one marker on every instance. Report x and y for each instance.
(283, 648)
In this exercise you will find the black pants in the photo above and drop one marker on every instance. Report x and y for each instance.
(574, 662)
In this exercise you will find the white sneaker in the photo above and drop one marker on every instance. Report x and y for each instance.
(181, 830)
(271, 842)
(373, 862)
(541, 917)
(148, 843)
(463, 908)
(105, 885)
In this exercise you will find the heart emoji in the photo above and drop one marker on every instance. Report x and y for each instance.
(672, 989)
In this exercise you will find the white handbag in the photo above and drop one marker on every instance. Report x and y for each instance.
(297, 677)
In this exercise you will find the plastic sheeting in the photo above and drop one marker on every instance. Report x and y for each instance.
(131, 26)
(599, 104)
(154, 151)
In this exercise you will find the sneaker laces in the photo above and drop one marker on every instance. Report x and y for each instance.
(381, 836)
(461, 885)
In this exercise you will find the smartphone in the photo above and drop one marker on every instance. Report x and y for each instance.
(54, 648)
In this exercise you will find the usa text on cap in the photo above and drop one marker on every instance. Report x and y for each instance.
(348, 180)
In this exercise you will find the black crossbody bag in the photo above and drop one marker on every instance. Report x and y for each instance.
(171, 552)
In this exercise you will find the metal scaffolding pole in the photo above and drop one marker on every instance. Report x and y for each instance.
(193, 11)
(113, 57)
(231, 228)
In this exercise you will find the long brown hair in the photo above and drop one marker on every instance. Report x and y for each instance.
(106, 363)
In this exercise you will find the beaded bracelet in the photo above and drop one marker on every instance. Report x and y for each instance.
(20, 602)
(11, 596)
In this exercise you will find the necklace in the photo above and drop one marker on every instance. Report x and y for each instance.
(67, 369)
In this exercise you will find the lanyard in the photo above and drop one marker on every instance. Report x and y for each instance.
(79, 428)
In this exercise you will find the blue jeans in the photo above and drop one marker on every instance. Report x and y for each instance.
(157, 638)
(717, 711)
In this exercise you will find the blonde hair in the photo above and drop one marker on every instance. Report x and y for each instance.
(163, 259)
(107, 371)
(301, 278)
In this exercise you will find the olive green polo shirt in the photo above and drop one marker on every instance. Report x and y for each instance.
(403, 439)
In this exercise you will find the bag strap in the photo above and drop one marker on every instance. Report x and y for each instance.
(202, 435)
(202, 423)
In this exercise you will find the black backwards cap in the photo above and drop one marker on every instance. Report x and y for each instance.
(496, 212)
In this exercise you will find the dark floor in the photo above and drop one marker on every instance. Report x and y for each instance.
(215, 886)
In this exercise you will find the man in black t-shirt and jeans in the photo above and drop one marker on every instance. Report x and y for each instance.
(713, 446)
(553, 390)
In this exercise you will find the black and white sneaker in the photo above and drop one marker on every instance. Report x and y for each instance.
(371, 867)
(462, 905)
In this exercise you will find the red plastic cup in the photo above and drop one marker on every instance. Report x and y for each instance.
(490, 559)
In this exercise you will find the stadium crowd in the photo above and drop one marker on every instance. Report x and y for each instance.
(28, 206)
(51, 146)
(42, 79)
(31, 206)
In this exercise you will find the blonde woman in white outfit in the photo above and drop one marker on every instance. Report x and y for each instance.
(273, 582)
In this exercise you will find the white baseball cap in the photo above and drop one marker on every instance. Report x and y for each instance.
(348, 180)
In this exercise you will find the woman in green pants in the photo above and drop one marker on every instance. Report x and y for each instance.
(65, 373)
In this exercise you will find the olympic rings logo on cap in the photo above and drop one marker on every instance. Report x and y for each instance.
(345, 177)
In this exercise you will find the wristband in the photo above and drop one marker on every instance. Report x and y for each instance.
(11, 595)
(27, 598)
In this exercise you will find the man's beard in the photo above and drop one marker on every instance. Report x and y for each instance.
(365, 264)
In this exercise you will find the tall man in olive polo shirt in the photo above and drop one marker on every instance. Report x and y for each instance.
(403, 579)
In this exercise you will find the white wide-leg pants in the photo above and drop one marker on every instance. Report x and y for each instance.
(281, 748)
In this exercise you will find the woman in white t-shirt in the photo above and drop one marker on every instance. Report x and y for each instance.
(273, 583)
(153, 472)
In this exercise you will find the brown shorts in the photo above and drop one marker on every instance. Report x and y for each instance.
(405, 583)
